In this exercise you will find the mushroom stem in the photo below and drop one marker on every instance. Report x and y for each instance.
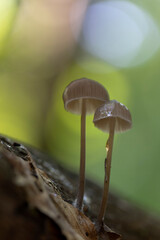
(109, 146)
(82, 158)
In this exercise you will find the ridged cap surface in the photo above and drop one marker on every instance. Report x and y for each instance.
(92, 92)
(113, 110)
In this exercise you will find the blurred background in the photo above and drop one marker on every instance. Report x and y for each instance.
(45, 44)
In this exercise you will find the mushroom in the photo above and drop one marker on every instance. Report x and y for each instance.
(83, 96)
(110, 117)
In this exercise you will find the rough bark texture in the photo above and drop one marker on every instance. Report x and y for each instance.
(18, 220)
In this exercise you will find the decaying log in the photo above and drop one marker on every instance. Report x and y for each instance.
(37, 197)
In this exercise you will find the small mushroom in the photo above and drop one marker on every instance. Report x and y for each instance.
(110, 117)
(82, 97)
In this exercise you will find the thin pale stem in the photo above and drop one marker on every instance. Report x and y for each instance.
(109, 146)
(82, 158)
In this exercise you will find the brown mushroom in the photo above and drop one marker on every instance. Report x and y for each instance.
(110, 117)
(82, 97)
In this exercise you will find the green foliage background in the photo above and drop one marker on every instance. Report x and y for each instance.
(31, 107)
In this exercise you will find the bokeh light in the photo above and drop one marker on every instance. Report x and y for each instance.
(120, 33)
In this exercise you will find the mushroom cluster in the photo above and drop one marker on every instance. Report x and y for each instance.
(85, 96)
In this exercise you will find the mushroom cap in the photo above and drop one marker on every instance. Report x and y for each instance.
(90, 91)
(113, 110)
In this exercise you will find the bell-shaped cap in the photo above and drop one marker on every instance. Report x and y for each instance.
(113, 110)
(92, 92)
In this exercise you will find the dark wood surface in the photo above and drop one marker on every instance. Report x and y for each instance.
(20, 221)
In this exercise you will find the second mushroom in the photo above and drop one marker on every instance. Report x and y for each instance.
(110, 117)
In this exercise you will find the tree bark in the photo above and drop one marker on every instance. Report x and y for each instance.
(19, 219)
